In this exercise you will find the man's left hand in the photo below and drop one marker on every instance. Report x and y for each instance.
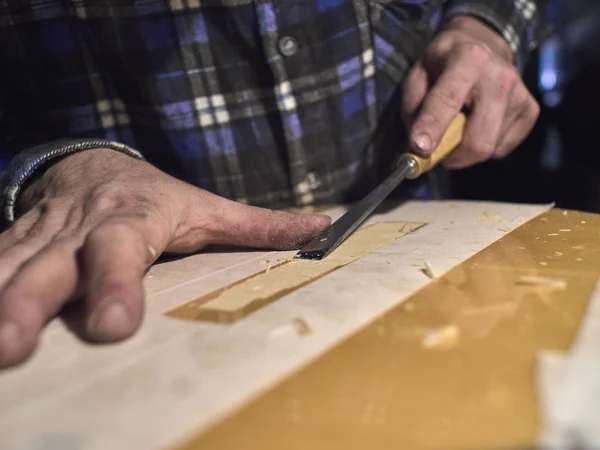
(468, 65)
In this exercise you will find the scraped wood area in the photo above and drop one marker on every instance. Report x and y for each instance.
(239, 299)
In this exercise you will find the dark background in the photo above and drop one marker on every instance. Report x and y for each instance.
(560, 161)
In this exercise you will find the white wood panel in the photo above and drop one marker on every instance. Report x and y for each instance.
(176, 377)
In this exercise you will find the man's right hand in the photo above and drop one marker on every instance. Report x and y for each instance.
(90, 227)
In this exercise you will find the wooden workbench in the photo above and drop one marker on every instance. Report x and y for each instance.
(373, 354)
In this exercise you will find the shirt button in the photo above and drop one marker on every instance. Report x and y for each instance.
(312, 181)
(288, 46)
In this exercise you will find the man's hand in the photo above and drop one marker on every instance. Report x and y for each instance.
(93, 223)
(468, 65)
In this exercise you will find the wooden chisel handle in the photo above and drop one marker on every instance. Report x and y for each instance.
(449, 142)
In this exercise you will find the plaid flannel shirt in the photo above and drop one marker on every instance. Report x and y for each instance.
(269, 102)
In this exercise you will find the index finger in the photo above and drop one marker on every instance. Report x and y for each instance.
(115, 255)
(447, 97)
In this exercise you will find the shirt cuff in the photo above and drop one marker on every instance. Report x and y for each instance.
(522, 23)
(27, 162)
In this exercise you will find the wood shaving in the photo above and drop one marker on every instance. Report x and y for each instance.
(543, 263)
(442, 339)
(583, 222)
(536, 280)
(428, 270)
(579, 247)
(302, 327)
(578, 259)
(280, 331)
(552, 234)
(409, 307)
(298, 325)
(565, 213)
(565, 229)
(486, 218)
(403, 228)
(558, 253)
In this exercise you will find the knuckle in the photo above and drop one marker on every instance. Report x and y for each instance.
(530, 118)
(521, 99)
(36, 236)
(427, 122)
(509, 75)
(412, 75)
(105, 199)
(73, 223)
(412, 80)
(17, 231)
(117, 283)
(449, 98)
(121, 240)
(441, 46)
(114, 199)
(536, 110)
(478, 53)
(479, 150)
(109, 229)
(506, 81)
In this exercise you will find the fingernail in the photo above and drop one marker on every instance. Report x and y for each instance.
(322, 220)
(111, 321)
(423, 141)
(10, 342)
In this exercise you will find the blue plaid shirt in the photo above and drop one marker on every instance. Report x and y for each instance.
(269, 102)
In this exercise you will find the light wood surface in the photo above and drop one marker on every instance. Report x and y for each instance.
(176, 377)
(452, 367)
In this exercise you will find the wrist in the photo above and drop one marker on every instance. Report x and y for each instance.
(28, 164)
(484, 33)
(47, 179)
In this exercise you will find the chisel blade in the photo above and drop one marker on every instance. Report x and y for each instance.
(329, 239)
(410, 166)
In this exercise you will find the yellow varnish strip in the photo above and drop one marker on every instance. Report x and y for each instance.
(451, 367)
(243, 297)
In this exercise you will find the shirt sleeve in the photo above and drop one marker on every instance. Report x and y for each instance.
(19, 163)
(522, 23)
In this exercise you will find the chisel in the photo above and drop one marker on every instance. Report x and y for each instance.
(409, 166)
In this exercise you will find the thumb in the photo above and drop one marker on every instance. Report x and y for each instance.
(215, 220)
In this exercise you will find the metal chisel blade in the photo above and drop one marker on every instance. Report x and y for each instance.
(329, 239)
(410, 166)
